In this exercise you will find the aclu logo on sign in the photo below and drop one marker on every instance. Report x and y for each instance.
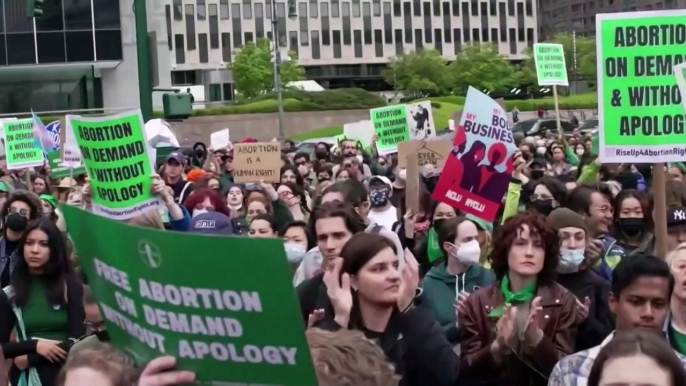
(53, 129)
(205, 224)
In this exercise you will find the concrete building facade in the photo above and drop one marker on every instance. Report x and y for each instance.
(340, 43)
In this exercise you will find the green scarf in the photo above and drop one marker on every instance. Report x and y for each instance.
(433, 251)
(524, 295)
(678, 340)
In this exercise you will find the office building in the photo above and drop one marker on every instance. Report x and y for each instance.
(339, 43)
(81, 54)
(578, 16)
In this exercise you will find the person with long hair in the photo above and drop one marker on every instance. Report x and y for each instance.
(293, 196)
(20, 208)
(43, 308)
(634, 221)
(515, 330)
(637, 357)
(368, 292)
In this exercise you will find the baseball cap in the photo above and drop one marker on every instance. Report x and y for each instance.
(383, 179)
(538, 161)
(176, 155)
(676, 216)
(212, 223)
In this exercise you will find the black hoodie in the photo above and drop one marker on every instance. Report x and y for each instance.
(600, 322)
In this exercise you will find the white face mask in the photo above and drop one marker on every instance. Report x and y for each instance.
(580, 152)
(570, 260)
(197, 212)
(540, 151)
(294, 252)
(467, 253)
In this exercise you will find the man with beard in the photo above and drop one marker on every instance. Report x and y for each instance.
(349, 150)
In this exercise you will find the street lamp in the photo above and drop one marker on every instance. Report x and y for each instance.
(276, 60)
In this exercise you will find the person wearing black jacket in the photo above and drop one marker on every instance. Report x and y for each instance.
(43, 306)
(590, 289)
(368, 292)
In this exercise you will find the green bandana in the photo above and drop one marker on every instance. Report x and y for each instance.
(678, 340)
(524, 295)
(433, 251)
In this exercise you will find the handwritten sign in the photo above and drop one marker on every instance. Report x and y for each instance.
(428, 152)
(255, 162)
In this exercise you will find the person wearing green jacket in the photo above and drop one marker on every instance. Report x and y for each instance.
(459, 273)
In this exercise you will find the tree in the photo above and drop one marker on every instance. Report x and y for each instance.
(482, 67)
(418, 73)
(585, 57)
(253, 71)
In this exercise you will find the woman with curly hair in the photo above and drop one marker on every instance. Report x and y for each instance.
(515, 330)
(205, 200)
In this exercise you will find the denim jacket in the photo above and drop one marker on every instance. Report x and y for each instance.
(4, 258)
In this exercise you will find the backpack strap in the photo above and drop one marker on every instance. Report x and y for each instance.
(183, 191)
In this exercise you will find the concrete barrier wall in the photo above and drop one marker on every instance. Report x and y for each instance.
(263, 127)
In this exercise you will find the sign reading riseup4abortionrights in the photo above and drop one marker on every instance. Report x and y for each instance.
(115, 153)
(639, 105)
(233, 319)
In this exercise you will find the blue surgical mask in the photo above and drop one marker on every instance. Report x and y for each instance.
(294, 252)
(570, 260)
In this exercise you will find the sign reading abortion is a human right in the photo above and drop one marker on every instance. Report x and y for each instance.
(228, 326)
(639, 104)
(115, 153)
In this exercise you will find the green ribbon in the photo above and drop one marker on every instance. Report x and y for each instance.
(433, 251)
(524, 295)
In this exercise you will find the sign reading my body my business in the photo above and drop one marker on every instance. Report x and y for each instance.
(22, 150)
(639, 105)
(115, 153)
(229, 326)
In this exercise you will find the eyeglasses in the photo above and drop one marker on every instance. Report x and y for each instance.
(23, 212)
(300, 163)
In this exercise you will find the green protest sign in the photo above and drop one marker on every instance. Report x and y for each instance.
(21, 149)
(550, 64)
(390, 127)
(639, 107)
(233, 319)
(114, 151)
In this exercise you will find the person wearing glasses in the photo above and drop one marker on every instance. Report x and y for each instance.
(20, 208)
(593, 202)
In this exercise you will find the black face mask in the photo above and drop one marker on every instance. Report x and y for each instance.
(199, 152)
(16, 222)
(537, 174)
(430, 183)
(103, 336)
(321, 154)
(526, 156)
(542, 207)
(630, 226)
(437, 224)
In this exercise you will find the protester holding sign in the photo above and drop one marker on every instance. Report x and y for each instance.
(43, 306)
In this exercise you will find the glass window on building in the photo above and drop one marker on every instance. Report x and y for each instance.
(215, 92)
(224, 9)
(202, 10)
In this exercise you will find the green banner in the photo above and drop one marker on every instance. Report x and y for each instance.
(233, 319)
(550, 64)
(639, 104)
(21, 149)
(390, 126)
(115, 153)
